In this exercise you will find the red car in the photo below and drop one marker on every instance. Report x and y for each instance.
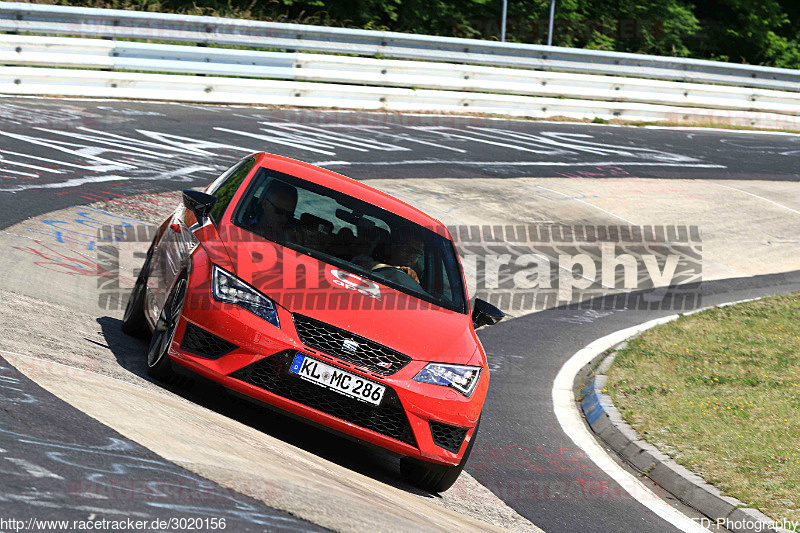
(303, 290)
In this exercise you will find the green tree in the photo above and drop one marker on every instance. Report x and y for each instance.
(751, 31)
(748, 31)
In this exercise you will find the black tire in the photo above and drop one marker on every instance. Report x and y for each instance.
(159, 365)
(434, 477)
(134, 322)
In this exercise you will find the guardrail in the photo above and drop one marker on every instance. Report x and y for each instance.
(100, 84)
(135, 56)
(119, 24)
(437, 84)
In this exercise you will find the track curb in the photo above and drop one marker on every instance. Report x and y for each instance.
(607, 423)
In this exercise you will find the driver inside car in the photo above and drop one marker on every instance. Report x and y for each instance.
(397, 261)
(276, 221)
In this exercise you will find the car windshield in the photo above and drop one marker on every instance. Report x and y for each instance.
(353, 235)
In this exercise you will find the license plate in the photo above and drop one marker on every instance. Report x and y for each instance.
(337, 380)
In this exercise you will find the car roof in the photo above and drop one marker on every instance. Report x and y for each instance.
(349, 186)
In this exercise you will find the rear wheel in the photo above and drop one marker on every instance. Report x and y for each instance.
(434, 477)
(159, 365)
(133, 322)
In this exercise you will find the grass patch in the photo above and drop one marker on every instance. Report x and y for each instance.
(719, 391)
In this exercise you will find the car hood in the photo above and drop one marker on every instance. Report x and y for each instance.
(313, 288)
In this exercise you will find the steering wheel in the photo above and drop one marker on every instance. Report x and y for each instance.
(392, 268)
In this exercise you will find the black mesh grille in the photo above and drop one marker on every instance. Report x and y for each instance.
(364, 353)
(201, 342)
(448, 437)
(272, 374)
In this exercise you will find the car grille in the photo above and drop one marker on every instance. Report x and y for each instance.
(200, 342)
(365, 353)
(448, 437)
(272, 374)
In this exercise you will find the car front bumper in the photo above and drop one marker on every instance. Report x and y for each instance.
(254, 344)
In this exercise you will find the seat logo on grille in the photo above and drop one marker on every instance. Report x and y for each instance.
(384, 364)
(349, 345)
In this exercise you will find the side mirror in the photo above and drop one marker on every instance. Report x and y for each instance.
(485, 314)
(198, 203)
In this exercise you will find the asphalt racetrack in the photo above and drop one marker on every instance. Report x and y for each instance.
(740, 188)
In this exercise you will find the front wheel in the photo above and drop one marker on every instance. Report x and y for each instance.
(434, 477)
(158, 361)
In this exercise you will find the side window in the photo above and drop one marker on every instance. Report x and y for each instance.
(226, 186)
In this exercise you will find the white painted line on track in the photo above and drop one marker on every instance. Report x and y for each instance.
(104, 510)
(275, 139)
(29, 166)
(331, 163)
(335, 138)
(74, 182)
(712, 130)
(39, 158)
(64, 184)
(520, 163)
(569, 417)
(412, 139)
(32, 469)
(426, 143)
(756, 196)
(450, 135)
(572, 423)
(26, 174)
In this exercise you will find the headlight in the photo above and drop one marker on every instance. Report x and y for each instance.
(461, 378)
(230, 289)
